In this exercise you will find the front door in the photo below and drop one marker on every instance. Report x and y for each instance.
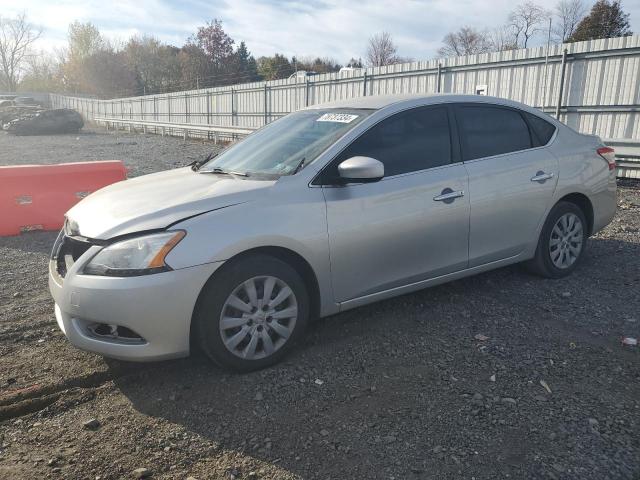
(411, 225)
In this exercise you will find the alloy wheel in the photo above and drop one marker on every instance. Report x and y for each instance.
(566, 242)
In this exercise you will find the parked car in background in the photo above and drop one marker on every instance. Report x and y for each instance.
(46, 122)
(26, 101)
(329, 208)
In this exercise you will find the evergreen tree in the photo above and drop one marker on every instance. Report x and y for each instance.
(606, 20)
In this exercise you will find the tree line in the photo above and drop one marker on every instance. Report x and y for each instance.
(570, 21)
(91, 64)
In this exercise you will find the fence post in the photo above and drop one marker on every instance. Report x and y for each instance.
(187, 117)
(364, 84)
(563, 69)
(306, 93)
(233, 108)
(266, 100)
(439, 79)
(208, 100)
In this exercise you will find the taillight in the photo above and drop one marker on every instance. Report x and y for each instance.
(609, 155)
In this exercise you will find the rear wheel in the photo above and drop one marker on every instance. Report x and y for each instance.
(252, 312)
(562, 242)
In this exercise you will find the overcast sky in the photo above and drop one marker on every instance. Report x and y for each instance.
(333, 28)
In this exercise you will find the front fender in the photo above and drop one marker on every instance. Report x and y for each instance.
(298, 225)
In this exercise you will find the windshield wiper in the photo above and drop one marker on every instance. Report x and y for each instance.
(222, 171)
(300, 166)
(195, 165)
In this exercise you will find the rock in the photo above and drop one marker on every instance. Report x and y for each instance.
(593, 422)
(17, 295)
(259, 397)
(509, 401)
(233, 473)
(92, 424)
(324, 432)
(437, 449)
(389, 439)
(142, 473)
(492, 378)
(477, 396)
(566, 294)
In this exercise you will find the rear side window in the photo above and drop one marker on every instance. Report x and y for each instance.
(487, 131)
(409, 141)
(541, 130)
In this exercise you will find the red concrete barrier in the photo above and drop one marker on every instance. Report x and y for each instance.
(35, 197)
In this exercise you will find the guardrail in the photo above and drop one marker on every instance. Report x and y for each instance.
(167, 128)
(627, 157)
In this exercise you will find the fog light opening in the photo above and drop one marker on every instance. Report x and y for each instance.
(114, 333)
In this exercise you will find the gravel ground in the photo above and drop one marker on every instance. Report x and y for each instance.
(501, 375)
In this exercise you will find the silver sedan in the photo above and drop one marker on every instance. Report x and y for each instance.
(326, 209)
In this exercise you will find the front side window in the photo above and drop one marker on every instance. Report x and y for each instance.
(487, 130)
(288, 144)
(408, 141)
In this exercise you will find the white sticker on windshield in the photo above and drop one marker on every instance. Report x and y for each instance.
(337, 117)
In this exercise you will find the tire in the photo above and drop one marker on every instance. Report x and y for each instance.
(260, 343)
(557, 255)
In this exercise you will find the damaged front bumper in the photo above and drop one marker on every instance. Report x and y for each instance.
(141, 318)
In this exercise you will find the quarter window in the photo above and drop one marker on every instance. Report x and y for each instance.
(541, 129)
(409, 141)
(487, 131)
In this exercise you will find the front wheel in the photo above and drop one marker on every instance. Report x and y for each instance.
(562, 242)
(252, 312)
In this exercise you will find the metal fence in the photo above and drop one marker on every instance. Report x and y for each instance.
(592, 86)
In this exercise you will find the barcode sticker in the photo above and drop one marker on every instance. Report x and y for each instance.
(337, 117)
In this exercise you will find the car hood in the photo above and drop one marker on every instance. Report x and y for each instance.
(158, 200)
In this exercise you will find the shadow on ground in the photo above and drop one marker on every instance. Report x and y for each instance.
(402, 388)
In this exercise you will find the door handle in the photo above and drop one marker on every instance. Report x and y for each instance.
(448, 196)
(541, 177)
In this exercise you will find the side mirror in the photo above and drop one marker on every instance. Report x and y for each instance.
(361, 169)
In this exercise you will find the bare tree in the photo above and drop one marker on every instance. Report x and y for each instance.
(381, 50)
(502, 38)
(527, 20)
(466, 41)
(17, 36)
(568, 14)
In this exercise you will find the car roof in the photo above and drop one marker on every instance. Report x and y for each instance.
(377, 102)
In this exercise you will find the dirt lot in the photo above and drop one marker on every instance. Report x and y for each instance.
(401, 389)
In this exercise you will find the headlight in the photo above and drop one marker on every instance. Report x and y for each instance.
(135, 256)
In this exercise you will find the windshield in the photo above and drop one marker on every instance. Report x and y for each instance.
(289, 144)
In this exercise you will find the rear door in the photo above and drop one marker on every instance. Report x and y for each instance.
(400, 229)
(511, 180)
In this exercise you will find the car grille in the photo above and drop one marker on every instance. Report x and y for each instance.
(67, 250)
